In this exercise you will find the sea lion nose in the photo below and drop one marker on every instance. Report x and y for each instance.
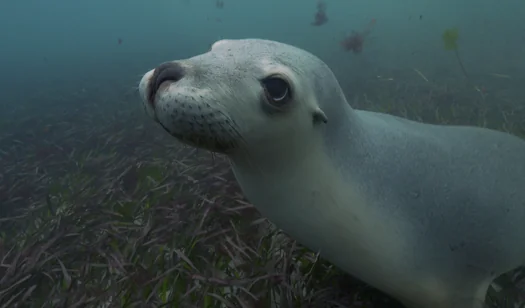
(168, 71)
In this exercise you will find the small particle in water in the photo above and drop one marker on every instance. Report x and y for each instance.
(500, 75)
(119, 41)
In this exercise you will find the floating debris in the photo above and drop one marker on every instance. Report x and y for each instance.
(420, 74)
(320, 17)
(354, 42)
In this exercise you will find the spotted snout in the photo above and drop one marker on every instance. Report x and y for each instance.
(188, 111)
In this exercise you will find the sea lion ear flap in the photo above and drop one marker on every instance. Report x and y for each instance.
(319, 116)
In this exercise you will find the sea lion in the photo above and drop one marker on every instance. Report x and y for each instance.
(429, 214)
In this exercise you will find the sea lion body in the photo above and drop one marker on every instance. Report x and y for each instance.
(429, 214)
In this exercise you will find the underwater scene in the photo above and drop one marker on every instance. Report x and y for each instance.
(357, 154)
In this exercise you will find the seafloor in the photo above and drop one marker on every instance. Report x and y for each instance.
(100, 208)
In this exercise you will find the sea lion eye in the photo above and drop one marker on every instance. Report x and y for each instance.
(277, 90)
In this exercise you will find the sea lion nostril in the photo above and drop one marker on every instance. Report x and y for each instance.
(168, 71)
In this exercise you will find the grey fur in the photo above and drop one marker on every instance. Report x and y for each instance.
(447, 203)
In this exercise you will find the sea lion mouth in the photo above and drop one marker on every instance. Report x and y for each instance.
(191, 114)
(204, 141)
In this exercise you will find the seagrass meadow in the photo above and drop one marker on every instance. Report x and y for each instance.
(101, 208)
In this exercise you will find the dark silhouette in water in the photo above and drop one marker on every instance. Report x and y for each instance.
(320, 15)
(354, 42)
